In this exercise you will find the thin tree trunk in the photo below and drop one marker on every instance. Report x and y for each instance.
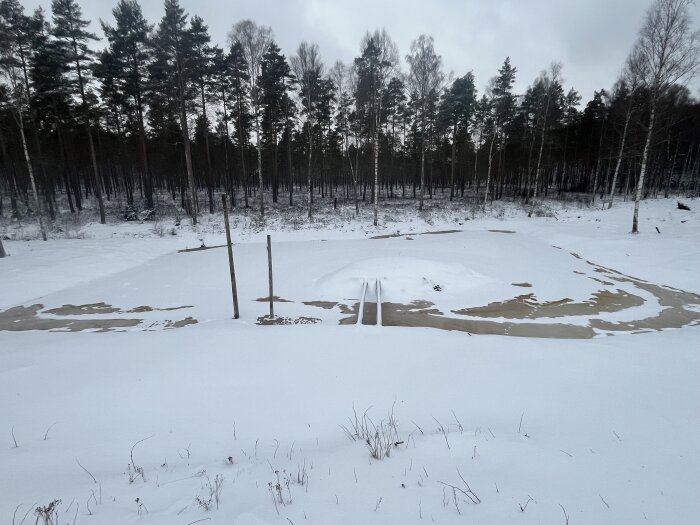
(27, 158)
(488, 173)
(619, 157)
(645, 157)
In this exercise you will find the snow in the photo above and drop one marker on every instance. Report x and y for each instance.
(604, 427)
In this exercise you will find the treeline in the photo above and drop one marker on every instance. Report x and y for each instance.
(160, 109)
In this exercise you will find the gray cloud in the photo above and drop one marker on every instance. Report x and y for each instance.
(591, 37)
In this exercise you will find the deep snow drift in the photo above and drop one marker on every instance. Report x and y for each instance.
(591, 414)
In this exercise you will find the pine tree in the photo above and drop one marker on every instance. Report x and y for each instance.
(238, 75)
(174, 63)
(69, 30)
(13, 41)
(203, 69)
(460, 105)
(129, 46)
(274, 85)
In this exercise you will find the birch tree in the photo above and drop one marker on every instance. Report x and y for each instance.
(551, 82)
(424, 80)
(375, 67)
(666, 53)
(254, 40)
(625, 91)
(341, 77)
(308, 68)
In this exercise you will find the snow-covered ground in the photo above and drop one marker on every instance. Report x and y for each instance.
(588, 411)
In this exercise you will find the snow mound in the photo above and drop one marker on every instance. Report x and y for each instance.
(402, 278)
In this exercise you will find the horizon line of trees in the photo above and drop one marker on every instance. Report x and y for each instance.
(160, 109)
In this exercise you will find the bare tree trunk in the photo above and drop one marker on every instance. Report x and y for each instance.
(188, 160)
(454, 162)
(488, 173)
(619, 158)
(260, 176)
(308, 175)
(37, 202)
(376, 165)
(539, 155)
(242, 148)
(2, 250)
(422, 159)
(645, 157)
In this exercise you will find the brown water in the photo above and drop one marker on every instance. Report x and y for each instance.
(527, 306)
(392, 235)
(677, 312)
(23, 318)
(265, 320)
(275, 299)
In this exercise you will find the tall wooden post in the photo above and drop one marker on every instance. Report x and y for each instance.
(234, 291)
(269, 266)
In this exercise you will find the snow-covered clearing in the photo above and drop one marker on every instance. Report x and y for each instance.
(590, 415)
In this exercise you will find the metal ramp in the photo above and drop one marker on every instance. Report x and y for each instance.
(363, 303)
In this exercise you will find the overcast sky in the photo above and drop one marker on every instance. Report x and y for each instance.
(590, 37)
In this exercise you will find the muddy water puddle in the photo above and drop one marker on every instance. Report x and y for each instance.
(397, 234)
(678, 309)
(34, 317)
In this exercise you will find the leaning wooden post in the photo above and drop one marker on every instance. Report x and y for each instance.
(269, 266)
(234, 291)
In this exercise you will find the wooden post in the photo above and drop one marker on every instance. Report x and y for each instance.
(234, 291)
(269, 266)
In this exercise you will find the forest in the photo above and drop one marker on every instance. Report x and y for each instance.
(156, 110)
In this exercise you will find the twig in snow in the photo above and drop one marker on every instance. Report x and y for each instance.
(603, 500)
(566, 516)
(419, 428)
(86, 470)
(444, 432)
(523, 507)
(459, 424)
(520, 426)
(379, 502)
(46, 434)
(31, 507)
(565, 452)
(469, 493)
(138, 471)
(12, 431)
(197, 521)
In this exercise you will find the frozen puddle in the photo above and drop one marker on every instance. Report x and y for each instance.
(77, 318)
